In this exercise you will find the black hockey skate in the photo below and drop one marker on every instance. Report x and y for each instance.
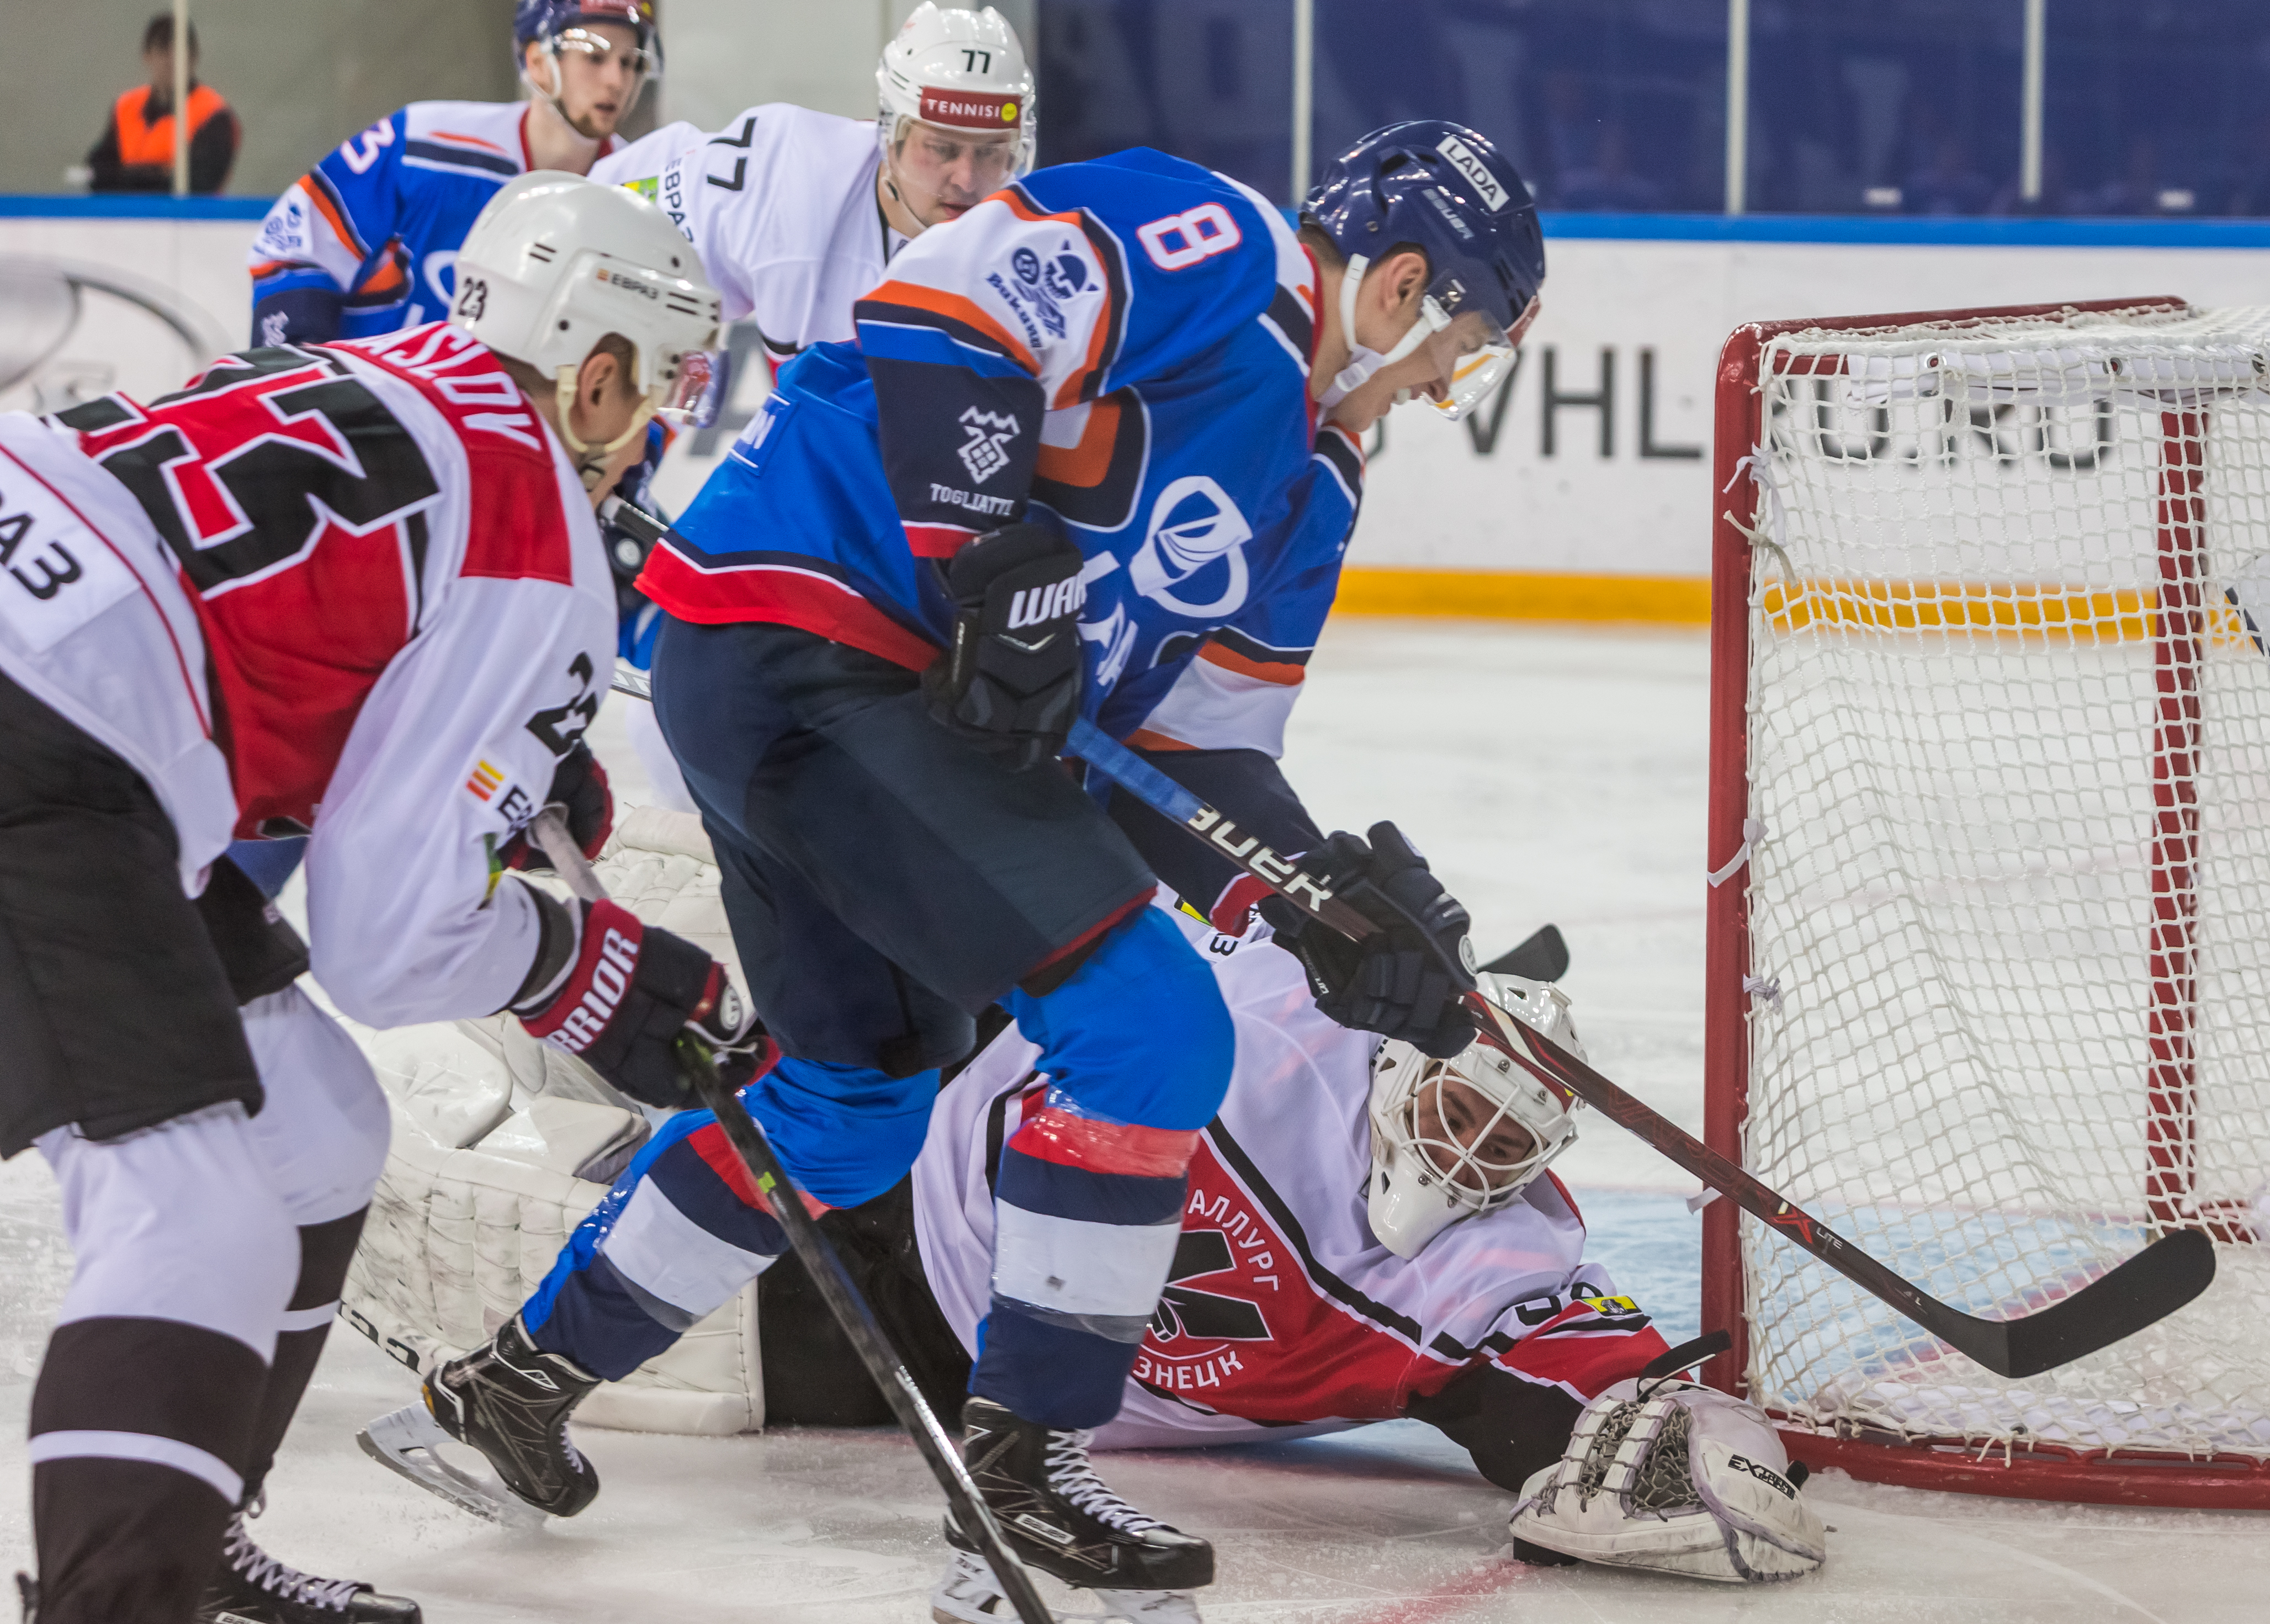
(252, 1587)
(510, 1400)
(1058, 1517)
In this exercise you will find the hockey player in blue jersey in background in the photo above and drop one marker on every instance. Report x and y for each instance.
(365, 242)
(1073, 467)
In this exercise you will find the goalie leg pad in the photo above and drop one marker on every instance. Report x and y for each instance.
(1674, 1478)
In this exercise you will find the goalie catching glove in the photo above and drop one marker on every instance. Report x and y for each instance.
(1010, 681)
(1408, 979)
(1674, 1478)
(631, 990)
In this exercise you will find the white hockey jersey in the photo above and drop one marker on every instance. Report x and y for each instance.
(781, 206)
(353, 588)
(1282, 1310)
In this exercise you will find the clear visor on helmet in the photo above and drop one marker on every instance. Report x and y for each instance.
(597, 48)
(695, 393)
(955, 164)
(1473, 354)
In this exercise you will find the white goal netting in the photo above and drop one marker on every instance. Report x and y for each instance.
(2009, 742)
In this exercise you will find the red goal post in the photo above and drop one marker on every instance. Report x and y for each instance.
(1929, 442)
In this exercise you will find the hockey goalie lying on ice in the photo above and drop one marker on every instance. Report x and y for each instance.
(1368, 1235)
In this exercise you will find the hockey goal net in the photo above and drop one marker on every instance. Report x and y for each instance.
(1989, 963)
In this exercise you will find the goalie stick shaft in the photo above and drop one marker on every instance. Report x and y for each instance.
(2147, 1287)
(827, 1271)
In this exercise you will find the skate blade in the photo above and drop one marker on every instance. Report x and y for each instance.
(969, 1594)
(409, 1442)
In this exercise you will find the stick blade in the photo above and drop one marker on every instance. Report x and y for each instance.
(2146, 1289)
(1543, 957)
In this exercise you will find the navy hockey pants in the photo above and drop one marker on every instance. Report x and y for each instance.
(885, 881)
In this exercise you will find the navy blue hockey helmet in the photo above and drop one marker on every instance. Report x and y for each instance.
(556, 22)
(1447, 190)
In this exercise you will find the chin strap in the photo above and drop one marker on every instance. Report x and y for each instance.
(590, 460)
(1362, 362)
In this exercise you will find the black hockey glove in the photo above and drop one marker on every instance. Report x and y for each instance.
(632, 989)
(1010, 681)
(1407, 978)
(580, 788)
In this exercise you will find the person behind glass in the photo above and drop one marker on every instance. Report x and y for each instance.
(135, 153)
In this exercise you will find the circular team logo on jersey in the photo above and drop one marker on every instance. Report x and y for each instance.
(1194, 526)
(1046, 284)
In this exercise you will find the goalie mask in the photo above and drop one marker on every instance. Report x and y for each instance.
(1452, 1139)
(556, 263)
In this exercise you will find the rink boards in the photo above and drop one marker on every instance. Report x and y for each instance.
(1580, 493)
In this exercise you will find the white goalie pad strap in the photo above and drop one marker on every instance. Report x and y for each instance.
(1684, 1481)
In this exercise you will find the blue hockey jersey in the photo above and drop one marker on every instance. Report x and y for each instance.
(1120, 347)
(366, 241)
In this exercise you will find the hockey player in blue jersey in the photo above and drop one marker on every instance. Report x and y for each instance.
(1073, 467)
(365, 243)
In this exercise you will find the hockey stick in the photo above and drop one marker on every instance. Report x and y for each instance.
(2147, 1288)
(812, 1250)
(1543, 957)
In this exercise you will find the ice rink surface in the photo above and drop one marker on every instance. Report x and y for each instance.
(1550, 775)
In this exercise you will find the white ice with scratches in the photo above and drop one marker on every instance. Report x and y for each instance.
(1550, 775)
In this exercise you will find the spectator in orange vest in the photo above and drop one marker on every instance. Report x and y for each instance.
(135, 153)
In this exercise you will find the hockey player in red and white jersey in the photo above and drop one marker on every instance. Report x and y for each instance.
(354, 589)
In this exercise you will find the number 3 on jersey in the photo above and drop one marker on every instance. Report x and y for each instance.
(59, 574)
(1181, 240)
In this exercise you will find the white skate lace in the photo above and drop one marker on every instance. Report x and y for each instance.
(266, 1572)
(1071, 1476)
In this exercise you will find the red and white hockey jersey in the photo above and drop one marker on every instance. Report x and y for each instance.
(382, 614)
(1282, 1310)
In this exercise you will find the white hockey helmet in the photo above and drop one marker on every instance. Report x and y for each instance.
(960, 70)
(1429, 1165)
(556, 263)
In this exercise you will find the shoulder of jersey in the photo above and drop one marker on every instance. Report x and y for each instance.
(1182, 217)
(1203, 254)
(789, 121)
(518, 522)
(472, 137)
(796, 152)
(799, 153)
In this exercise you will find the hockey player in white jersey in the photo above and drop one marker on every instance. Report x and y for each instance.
(1368, 1234)
(355, 590)
(795, 213)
